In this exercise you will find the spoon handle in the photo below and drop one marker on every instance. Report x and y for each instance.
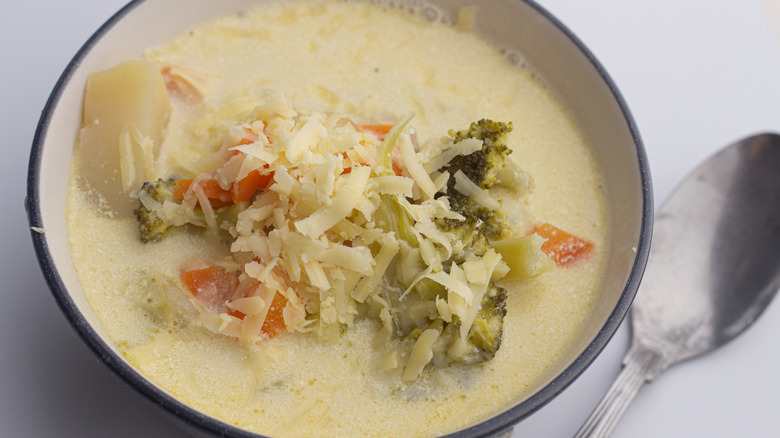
(640, 366)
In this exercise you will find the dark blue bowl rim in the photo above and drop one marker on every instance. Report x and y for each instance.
(210, 425)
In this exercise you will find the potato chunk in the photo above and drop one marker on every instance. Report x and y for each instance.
(126, 109)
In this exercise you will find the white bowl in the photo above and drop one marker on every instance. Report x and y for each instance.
(552, 51)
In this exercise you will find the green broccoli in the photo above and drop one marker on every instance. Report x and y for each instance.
(480, 222)
(482, 168)
(154, 223)
(151, 226)
(484, 337)
(416, 312)
(488, 326)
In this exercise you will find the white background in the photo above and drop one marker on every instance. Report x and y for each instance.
(697, 74)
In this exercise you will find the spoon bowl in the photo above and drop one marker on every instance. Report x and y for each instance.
(713, 268)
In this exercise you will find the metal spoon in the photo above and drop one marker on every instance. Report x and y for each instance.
(714, 266)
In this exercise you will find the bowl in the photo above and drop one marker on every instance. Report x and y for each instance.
(558, 57)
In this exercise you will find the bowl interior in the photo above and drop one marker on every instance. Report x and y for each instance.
(558, 58)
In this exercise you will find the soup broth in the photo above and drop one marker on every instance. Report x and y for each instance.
(375, 62)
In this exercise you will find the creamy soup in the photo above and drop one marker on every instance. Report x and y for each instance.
(374, 63)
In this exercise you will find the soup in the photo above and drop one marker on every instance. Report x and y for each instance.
(330, 61)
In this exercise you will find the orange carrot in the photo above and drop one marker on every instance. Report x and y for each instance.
(210, 285)
(244, 190)
(218, 196)
(247, 137)
(236, 313)
(181, 188)
(397, 169)
(274, 320)
(380, 130)
(565, 249)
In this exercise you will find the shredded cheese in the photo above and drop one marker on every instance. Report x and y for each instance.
(342, 204)
(341, 214)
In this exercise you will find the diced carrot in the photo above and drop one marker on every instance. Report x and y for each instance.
(236, 313)
(210, 285)
(397, 169)
(564, 248)
(218, 196)
(244, 190)
(274, 320)
(346, 170)
(248, 137)
(181, 188)
(380, 130)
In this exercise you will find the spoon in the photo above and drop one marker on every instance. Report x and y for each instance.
(713, 268)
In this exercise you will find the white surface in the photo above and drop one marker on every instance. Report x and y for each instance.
(697, 74)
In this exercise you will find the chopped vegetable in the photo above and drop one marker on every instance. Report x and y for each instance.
(220, 292)
(244, 190)
(217, 196)
(482, 166)
(151, 224)
(329, 221)
(474, 173)
(159, 210)
(210, 285)
(380, 130)
(564, 248)
(524, 255)
(488, 326)
(126, 110)
(274, 319)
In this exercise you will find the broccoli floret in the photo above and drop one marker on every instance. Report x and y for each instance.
(480, 222)
(482, 166)
(151, 226)
(416, 309)
(488, 326)
(416, 312)
(484, 337)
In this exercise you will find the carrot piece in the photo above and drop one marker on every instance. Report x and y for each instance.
(210, 285)
(380, 130)
(564, 248)
(244, 190)
(218, 196)
(274, 319)
(181, 188)
(236, 313)
(397, 169)
(248, 137)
